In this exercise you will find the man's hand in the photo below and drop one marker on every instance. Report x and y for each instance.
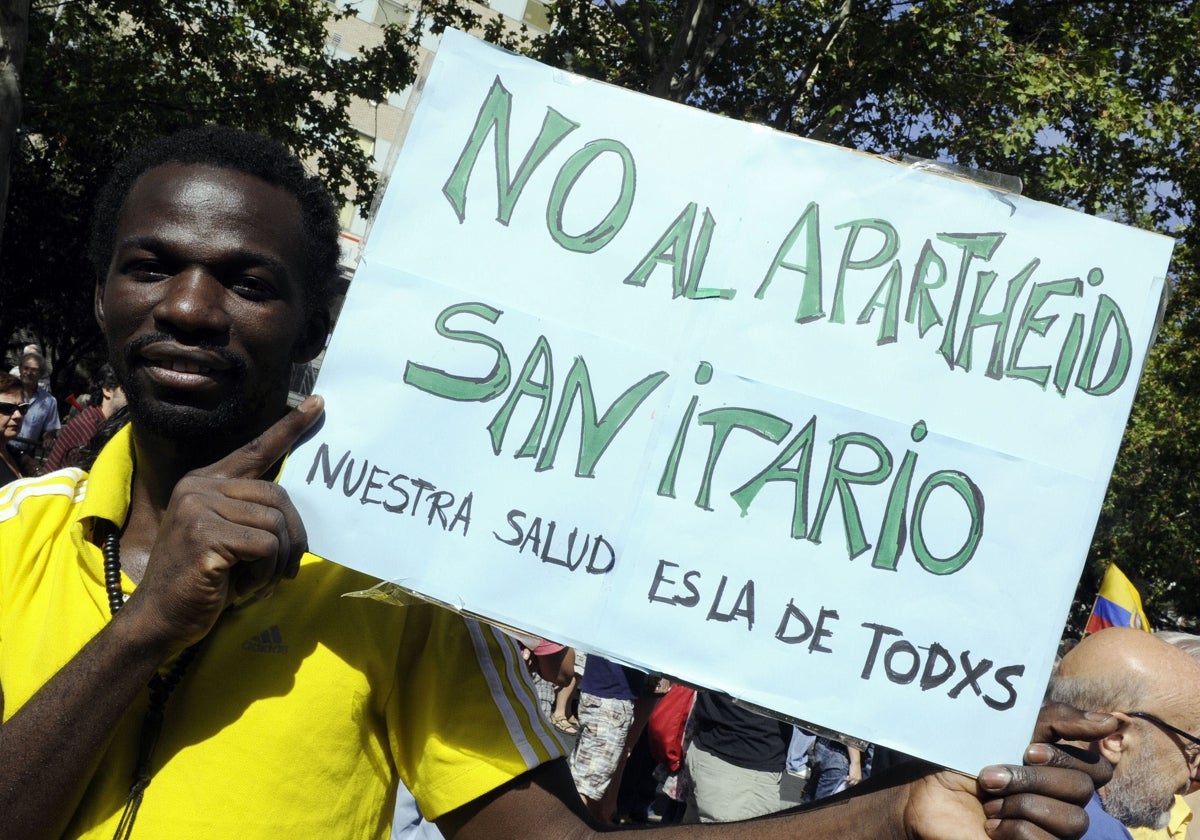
(227, 536)
(854, 774)
(1040, 800)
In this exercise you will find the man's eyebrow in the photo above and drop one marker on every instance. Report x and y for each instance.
(242, 258)
(253, 259)
(149, 243)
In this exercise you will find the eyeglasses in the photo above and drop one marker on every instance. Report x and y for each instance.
(1190, 753)
(8, 409)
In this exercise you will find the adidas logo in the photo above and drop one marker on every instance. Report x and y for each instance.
(268, 641)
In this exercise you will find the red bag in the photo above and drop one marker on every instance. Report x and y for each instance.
(664, 732)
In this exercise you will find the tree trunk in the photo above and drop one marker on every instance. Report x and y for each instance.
(14, 36)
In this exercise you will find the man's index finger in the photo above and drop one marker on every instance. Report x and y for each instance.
(256, 457)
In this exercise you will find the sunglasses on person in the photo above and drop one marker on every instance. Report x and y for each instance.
(8, 409)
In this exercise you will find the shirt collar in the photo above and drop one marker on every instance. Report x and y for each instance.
(110, 480)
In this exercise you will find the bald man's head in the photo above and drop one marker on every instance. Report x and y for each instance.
(1121, 670)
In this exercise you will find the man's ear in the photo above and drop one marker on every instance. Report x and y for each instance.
(1114, 745)
(98, 304)
(312, 339)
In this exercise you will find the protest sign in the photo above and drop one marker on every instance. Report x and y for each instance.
(777, 418)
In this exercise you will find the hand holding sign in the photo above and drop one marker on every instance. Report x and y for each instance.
(1033, 801)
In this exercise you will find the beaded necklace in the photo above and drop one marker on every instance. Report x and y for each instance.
(161, 686)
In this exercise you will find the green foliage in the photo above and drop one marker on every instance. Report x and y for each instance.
(1084, 100)
(1150, 523)
(103, 76)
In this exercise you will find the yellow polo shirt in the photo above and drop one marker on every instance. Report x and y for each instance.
(301, 710)
(1177, 828)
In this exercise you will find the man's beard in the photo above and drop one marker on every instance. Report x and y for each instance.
(206, 425)
(1134, 795)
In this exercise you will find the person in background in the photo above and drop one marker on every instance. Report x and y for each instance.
(1153, 689)
(834, 766)
(41, 422)
(107, 399)
(735, 761)
(799, 751)
(1181, 813)
(561, 715)
(12, 412)
(551, 666)
(607, 694)
(30, 348)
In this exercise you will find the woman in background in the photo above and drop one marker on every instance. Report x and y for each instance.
(12, 413)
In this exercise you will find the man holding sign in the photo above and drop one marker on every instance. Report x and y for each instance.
(274, 705)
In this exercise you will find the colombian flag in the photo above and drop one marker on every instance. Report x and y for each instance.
(1117, 605)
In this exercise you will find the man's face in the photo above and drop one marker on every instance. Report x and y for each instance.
(1146, 779)
(31, 372)
(203, 306)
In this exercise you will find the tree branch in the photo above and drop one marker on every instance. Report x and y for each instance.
(663, 82)
(698, 65)
(803, 86)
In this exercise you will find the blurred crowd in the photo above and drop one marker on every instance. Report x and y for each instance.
(37, 438)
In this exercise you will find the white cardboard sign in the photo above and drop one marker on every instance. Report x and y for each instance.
(770, 416)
